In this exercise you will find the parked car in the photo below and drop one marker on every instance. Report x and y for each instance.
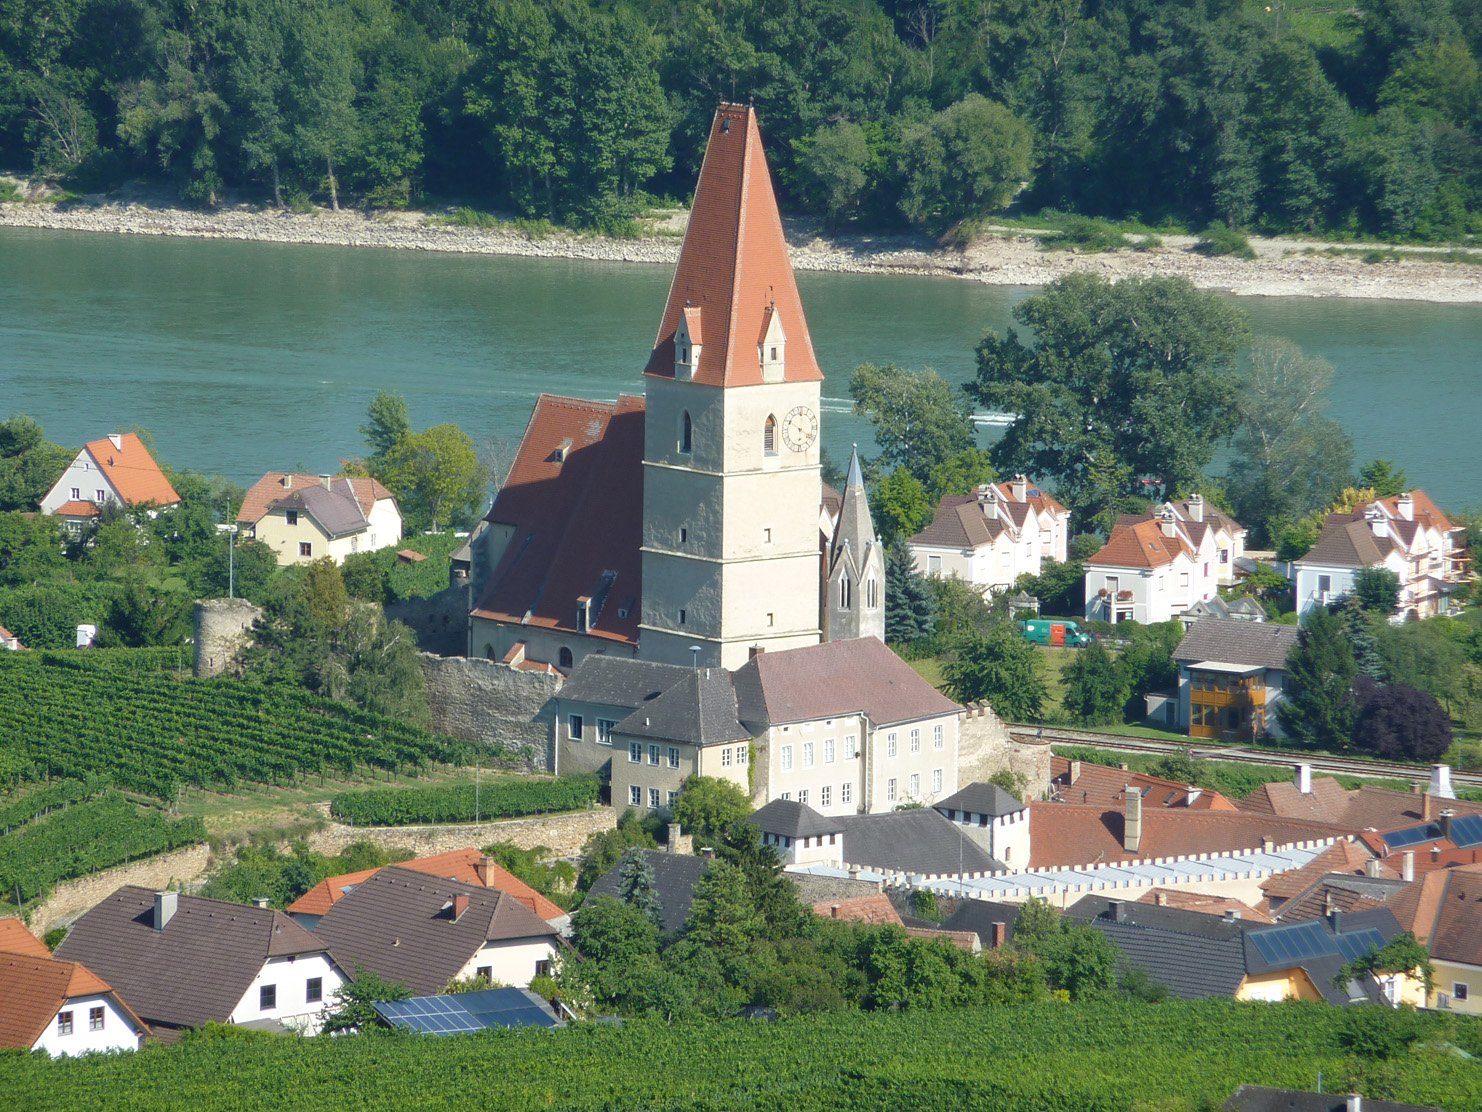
(1050, 631)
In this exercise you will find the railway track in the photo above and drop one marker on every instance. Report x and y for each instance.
(1342, 766)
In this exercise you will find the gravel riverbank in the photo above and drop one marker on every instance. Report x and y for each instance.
(1282, 267)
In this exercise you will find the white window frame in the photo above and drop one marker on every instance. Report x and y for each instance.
(635, 752)
(786, 757)
(725, 757)
(851, 747)
(605, 726)
(828, 751)
(807, 754)
(743, 754)
(655, 754)
(890, 790)
(846, 793)
(576, 725)
(916, 740)
(653, 799)
(673, 755)
(936, 781)
(635, 796)
(892, 744)
(825, 795)
(937, 736)
(913, 786)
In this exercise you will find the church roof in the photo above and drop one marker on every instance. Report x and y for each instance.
(733, 267)
(573, 501)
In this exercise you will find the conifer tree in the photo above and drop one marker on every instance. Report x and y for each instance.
(1318, 707)
(637, 885)
(910, 609)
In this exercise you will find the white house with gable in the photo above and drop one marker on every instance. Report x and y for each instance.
(1152, 569)
(991, 537)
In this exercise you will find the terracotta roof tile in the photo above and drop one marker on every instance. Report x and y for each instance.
(574, 502)
(1138, 544)
(1103, 786)
(874, 910)
(1206, 904)
(733, 266)
(270, 489)
(1365, 808)
(33, 989)
(1341, 857)
(963, 940)
(132, 471)
(77, 509)
(1444, 910)
(16, 938)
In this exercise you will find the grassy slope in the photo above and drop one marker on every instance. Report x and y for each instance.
(1175, 1056)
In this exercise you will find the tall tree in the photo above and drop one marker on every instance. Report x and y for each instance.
(1318, 706)
(324, 68)
(1126, 382)
(1288, 459)
(723, 913)
(918, 421)
(29, 464)
(1002, 668)
(388, 422)
(436, 476)
(910, 612)
(967, 160)
(1095, 686)
(637, 886)
(1400, 723)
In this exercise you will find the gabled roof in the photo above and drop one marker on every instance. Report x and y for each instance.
(833, 679)
(1444, 910)
(78, 509)
(734, 267)
(462, 865)
(700, 709)
(1103, 786)
(619, 681)
(675, 877)
(1192, 954)
(981, 799)
(1425, 511)
(1138, 543)
(1204, 904)
(1340, 892)
(791, 819)
(874, 910)
(334, 509)
(1348, 857)
(1365, 808)
(573, 501)
(1346, 541)
(979, 916)
(918, 840)
(1212, 515)
(277, 485)
(16, 938)
(131, 470)
(197, 968)
(33, 989)
(1233, 641)
(959, 522)
(399, 924)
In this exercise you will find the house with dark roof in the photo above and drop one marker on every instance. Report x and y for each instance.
(996, 819)
(600, 692)
(992, 536)
(185, 961)
(1231, 674)
(675, 877)
(992, 922)
(61, 1007)
(1196, 955)
(425, 931)
(847, 727)
(467, 866)
(799, 834)
(1259, 1098)
(1406, 533)
(1155, 567)
(117, 470)
(303, 518)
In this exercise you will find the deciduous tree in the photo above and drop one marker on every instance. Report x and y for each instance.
(1001, 668)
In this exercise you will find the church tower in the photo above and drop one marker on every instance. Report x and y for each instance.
(731, 482)
(854, 605)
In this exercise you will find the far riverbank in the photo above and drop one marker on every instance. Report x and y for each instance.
(1008, 257)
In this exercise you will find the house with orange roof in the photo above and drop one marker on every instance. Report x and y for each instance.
(307, 517)
(116, 470)
(61, 1007)
(467, 866)
(1091, 784)
(9, 641)
(991, 537)
(1153, 568)
(1406, 533)
(1443, 910)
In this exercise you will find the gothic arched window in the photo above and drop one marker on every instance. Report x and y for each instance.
(769, 436)
(686, 433)
(846, 593)
(563, 658)
(872, 592)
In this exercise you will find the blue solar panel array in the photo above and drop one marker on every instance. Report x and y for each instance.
(1299, 942)
(1466, 832)
(466, 1012)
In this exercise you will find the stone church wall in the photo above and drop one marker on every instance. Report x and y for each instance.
(987, 747)
(481, 700)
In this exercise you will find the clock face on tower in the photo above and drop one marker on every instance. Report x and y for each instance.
(800, 428)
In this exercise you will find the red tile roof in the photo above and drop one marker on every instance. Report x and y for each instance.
(874, 910)
(460, 864)
(1426, 512)
(573, 501)
(1104, 786)
(1068, 834)
(734, 267)
(132, 471)
(1342, 857)
(1138, 544)
(77, 509)
(270, 488)
(33, 989)
(1444, 910)
(1208, 905)
(1365, 808)
(16, 938)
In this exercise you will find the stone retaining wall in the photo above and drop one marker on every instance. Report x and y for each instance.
(563, 834)
(987, 747)
(440, 621)
(481, 700)
(72, 897)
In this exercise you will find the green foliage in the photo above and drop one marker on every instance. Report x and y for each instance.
(130, 734)
(1085, 234)
(910, 606)
(1059, 586)
(900, 506)
(1221, 239)
(723, 913)
(84, 838)
(1377, 589)
(1318, 708)
(1383, 478)
(263, 871)
(1125, 381)
(353, 1006)
(1001, 668)
(383, 577)
(966, 160)
(1401, 954)
(918, 420)
(605, 848)
(435, 475)
(465, 802)
(636, 887)
(29, 464)
(708, 806)
(1399, 723)
(962, 473)
(1096, 686)
(924, 905)
(538, 867)
(1078, 960)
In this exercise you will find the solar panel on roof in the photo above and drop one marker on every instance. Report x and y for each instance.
(1355, 944)
(1412, 835)
(1467, 831)
(465, 1013)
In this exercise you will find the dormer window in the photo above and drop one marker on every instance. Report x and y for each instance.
(772, 350)
(583, 614)
(687, 343)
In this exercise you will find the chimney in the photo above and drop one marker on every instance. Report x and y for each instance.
(1117, 910)
(1196, 507)
(1441, 782)
(999, 933)
(1231, 915)
(1372, 867)
(286, 482)
(460, 905)
(1353, 1102)
(1446, 817)
(707, 852)
(1407, 865)
(1303, 778)
(261, 901)
(1336, 918)
(1378, 523)
(1405, 504)
(324, 481)
(1427, 807)
(165, 904)
(1132, 824)
(117, 440)
(1020, 487)
(833, 911)
(1075, 772)
(1170, 526)
(1160, 898)
(1327, 902)
(483, 868)
(988, 499)
(673, 836)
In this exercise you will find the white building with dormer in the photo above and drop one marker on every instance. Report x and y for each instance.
(993, 536)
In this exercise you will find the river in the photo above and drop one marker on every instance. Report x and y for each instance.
(241, 357)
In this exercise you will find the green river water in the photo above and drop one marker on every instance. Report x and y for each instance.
(243, 356)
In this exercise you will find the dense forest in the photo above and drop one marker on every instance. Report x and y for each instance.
(1293, 115)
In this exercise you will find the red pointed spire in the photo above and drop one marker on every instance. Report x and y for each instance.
(733, 266)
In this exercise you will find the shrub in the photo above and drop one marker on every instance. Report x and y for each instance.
(1221, 239)
(465, 802)
(1086, 234)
